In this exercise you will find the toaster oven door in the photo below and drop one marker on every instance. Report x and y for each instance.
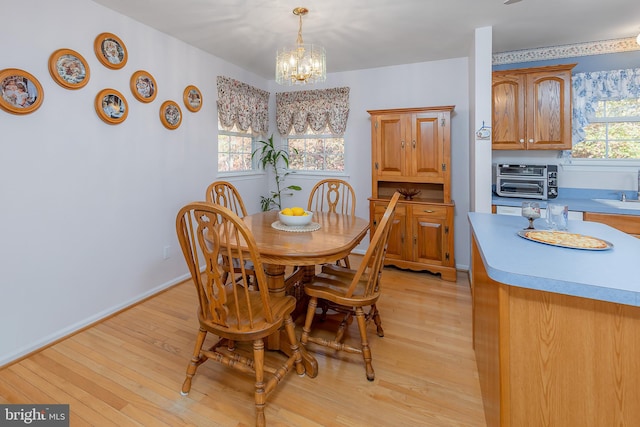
(525, 188)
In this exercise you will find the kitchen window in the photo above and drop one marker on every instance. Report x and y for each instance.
(234, 150)
(313, 123)
(316, 151)
(613, 133)
(606, 117)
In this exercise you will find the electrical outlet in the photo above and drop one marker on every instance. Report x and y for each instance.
(166, 252)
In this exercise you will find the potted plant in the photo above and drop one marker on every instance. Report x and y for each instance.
(274, 158)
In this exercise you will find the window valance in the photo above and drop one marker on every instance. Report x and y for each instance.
(313, 108)
(589, 88)
(243, 105)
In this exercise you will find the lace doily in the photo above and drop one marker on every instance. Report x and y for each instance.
(296, 228)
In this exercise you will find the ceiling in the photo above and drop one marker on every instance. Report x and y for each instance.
(360, 34)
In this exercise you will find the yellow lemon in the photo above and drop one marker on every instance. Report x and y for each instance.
(297, 211)
(287, 211)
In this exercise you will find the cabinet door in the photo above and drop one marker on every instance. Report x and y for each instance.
(508, 123)
(549, 110)
(396, 248)
(429, 234)
(427, 146)
(389, 144)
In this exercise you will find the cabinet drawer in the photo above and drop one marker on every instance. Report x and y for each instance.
(428, 210)
(628, 223)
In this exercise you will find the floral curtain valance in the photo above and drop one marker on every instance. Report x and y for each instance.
(243, 105)
(589, 88)
(313, 108)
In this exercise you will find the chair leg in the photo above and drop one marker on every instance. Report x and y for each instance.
(295, 349)
(375, 314)
(196, 360)
(311, 311)
(260, 395)
(366, 351)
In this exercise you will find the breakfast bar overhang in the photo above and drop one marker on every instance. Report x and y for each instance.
(556, 330)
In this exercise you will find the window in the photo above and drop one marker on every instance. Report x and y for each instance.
(234, 150)
(613, 132)
(316, 151)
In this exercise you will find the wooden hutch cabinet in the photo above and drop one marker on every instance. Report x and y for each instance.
(532, 108)
(411, 150)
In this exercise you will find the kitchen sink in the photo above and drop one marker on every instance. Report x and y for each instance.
(627, 204)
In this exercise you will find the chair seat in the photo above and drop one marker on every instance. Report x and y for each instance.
(333, 288)
(280, 307)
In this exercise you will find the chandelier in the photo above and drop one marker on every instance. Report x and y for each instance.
(302, 63)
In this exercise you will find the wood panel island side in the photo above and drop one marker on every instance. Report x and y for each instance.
(556, 330)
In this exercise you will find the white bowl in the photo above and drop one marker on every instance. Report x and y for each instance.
(296, 220)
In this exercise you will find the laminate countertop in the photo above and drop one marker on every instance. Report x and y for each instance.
(611, 275)
(577, 199)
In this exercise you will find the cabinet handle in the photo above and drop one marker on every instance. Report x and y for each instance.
(402, 144)
(413, 143)
(428, 211)
(531, 140)
(522, 141)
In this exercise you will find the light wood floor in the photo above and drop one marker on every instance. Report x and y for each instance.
(128, 370)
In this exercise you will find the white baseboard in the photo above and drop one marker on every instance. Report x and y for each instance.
(71, 329)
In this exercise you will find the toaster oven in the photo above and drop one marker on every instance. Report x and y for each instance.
(527, 181)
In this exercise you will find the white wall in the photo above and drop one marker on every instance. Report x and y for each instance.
(88, 208)
(480, 80)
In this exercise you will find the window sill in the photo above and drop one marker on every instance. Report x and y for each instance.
(579, 165)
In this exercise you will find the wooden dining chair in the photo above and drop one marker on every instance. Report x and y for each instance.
(333, 195)
(351, 291)
(233, 312)
(226, 194)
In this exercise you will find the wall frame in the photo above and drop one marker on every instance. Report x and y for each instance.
(111, 106)
(170, 115)
(143, 86)
(192, 98)
(20, 92)
(69, 69)
(110, 50)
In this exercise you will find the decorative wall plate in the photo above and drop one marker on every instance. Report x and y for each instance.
(20, 92)
(110, 50)
(143, 86)
(170, 115)
(69, 69)
(111, 106)
(192, 98)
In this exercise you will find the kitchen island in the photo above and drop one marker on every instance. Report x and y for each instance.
(556, 330)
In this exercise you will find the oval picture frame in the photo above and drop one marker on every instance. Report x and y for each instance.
(110, 50)
(69, 69)
(111, 106)
(170, 115)
(143, 86)
(192, 98)
(20, 91)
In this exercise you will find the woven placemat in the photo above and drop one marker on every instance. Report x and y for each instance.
(313, 226)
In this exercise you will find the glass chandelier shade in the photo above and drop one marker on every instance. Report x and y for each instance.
(302, 63)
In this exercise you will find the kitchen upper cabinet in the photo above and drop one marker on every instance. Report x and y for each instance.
(532, 108)
(411, 150)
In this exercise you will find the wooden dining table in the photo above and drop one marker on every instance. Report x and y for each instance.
(297, 253)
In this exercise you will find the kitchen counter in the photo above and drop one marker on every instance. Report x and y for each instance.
(556, 331)
(578, 199)
(609, 275)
